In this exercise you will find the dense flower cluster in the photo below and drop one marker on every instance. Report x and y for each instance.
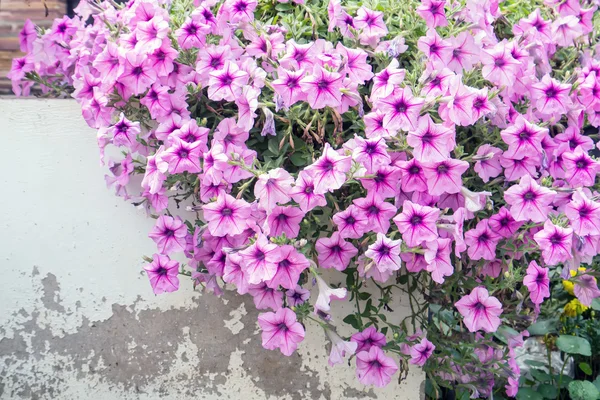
(444, 149)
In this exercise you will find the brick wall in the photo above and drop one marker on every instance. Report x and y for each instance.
(13, 14)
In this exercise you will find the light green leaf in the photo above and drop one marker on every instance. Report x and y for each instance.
(596, 304)
(585, 367)
(529, 394)
(541, 328)
(574, 345)
(548, 391)
(583, 390)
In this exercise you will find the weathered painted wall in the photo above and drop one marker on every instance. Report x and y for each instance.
(77, 316)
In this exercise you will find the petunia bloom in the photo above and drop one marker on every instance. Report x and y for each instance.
(373, 367)
(480, 310)
(322, 88)
(537, 282)
(163, 274)
(420, 353)
(169, 234)
(368, 338)
(281, 330)
(290, 264)
(555, 243)
(335, 252)
(329, 171)
(528, 200)
(417, 223)
(260, 260)
(226, 216)
(385, 253)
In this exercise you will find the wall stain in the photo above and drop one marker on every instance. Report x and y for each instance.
(103, 350)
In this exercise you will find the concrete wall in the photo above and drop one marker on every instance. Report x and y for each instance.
(78, 318)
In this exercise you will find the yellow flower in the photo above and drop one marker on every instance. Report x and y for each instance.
(574, 308)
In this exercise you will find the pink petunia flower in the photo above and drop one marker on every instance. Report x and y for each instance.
(163, 274)
(281, 330)
(287, 85)
(368, 338)
(431, 141)
(234, 273)
(372, 153)
(334, 252)
(580, 168)
(413, 176)
(401, 109)
(374, 367)
(499, 67)
(488, 162)
(226, 216)
(290, 265)
(420, 353)
(326, 293)
(444, 176)
(437, 257)
(138, 74)
(555, 243)
(503, 223)
(297, 296)
(377, 211)
(480, 310)
(370, 23)
(303, 193)
(432, 11)
(482, 242)
(386, 80)
(273, 187)
(322, 88)
(351, 223)
(265, 297)
(437, 50)
(260, 260)
(550, 96)
(417, 223)
(384, 182)
(537, 282)
(385, 253)
(583, 214)
(339, 348)
(329, 171)
(284, 220)
(586, 289)
(226, 83)
(169, 234)
(529, 201)
(523, 138)
(183, 156)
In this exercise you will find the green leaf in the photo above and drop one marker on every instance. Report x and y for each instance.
(574, 345)
(364, 295)
(548, 391)
(583, 390)
(585, 367)
(352, 320)
(298, 159)
(529, 394)
(273, 146)
(597, 382)
(504, 332)
(596, 304)
(543, 327)
(540, 376)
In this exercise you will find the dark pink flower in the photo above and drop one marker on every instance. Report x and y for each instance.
(385, 81)
(437, 50)
(226, 83)
(372, 153)
(334, 252)
(183, 156)
(226, 216)
(480, 310)
(357, 66)
(234, 273)
(27, 36)
(551, 97)
(370, 22)
(529, 201)
(488, 162)
(503, 223)
(413, 176)
(373, 367)
(162, 272)
(169, 234)
(523, 139)
(297, 296)
(499, 67)
(240, 10)
(384, 182)
(417, 223)
(138, 74)
(281, 330)
(290, 265)
(537, 282)
(555, 243)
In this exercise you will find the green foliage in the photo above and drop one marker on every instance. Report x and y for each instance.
(583, 390)
(574, 345)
